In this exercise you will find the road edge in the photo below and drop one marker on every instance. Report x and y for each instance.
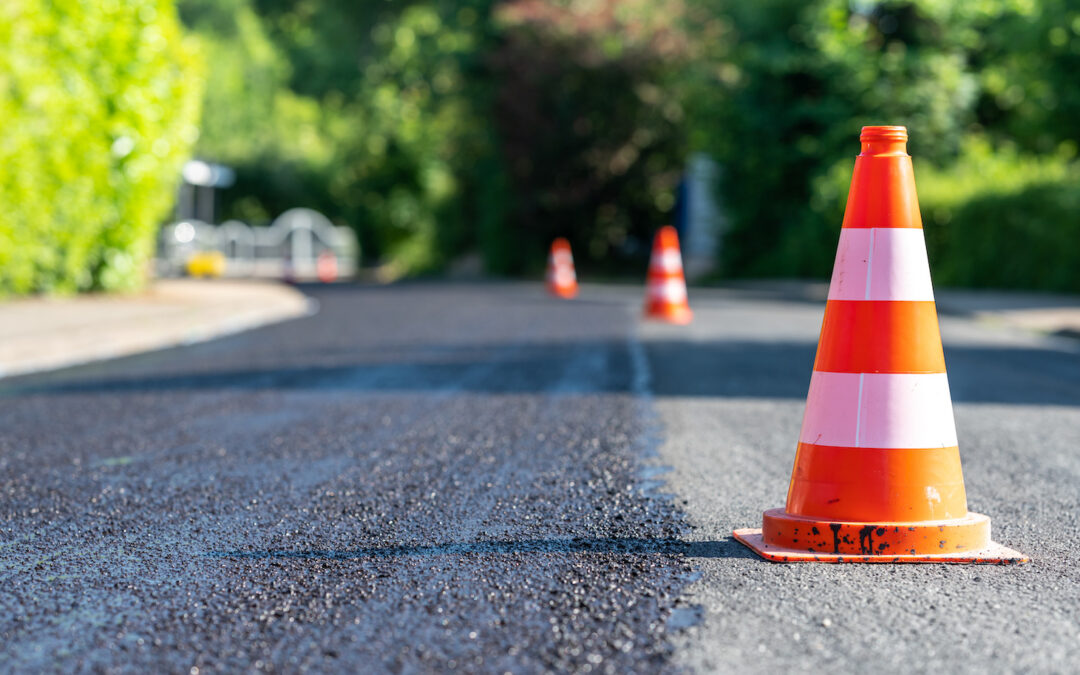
(60, 333)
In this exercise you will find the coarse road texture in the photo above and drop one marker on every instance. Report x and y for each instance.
(731, 392)
(418, 478)
(468, 477)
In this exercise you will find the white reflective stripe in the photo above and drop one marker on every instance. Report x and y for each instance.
(671, 290)
(667, 261)
(561, 258)
(879, 410)
(563, 276)
(858, 409)
(881, 263)
(869, 265)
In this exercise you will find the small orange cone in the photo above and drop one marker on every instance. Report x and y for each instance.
(665, 294)
(877, 472)
(561, 278)
(326, 267)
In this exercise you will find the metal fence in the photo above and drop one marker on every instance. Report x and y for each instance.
(301, 244)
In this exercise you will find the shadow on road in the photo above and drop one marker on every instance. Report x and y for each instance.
(737, 369)
(726, 548)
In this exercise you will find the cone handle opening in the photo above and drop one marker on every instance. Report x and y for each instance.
(885, 140)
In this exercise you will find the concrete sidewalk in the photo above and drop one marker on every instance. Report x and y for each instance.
(45, 333)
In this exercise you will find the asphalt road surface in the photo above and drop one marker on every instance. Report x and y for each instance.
(479, 478)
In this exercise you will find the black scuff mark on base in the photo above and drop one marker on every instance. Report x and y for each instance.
(866, 540)
(835, 527)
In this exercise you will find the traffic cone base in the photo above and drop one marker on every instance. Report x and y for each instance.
(665, 312)
(563, 290)
(877, 475)
(795, 539)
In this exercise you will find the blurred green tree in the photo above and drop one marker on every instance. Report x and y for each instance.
(1027, 63)
(796, 80)
(591, 126)
(367, 113)
(805, 77)
(252, 120)
(414, 120)
(99, 107)
(436, 127)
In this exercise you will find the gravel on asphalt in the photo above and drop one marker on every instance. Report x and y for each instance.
(731, 392)
(475, 477)
(419, 478)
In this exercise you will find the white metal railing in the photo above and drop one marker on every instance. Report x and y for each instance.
(292, 247)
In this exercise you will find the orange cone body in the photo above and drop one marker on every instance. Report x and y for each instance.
(665, 293)
(877, 473)
(561, 278)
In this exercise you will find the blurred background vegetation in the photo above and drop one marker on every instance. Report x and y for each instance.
(986, 88)
(440, 128)
(99, 105)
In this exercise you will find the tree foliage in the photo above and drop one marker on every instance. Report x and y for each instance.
(436, 127)
(364, 112)
(99, 106)
(798, 79)
(589, 128)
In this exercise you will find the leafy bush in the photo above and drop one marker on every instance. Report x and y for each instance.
(409, 163)
(99, 105)
(806, 76)
(993, 218)
(1004, 220)
(797, 79)
(590, 130)
(382, 132)
(436, 127)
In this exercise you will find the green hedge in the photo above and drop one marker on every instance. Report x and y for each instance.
(798, 78)
(1003, 220)
(99, 104)
(993, 218)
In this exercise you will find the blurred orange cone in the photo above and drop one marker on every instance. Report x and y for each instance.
(665, 295)
(326, 267)
(561, 278)
(877, 473)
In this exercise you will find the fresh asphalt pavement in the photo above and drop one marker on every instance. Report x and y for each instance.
(730, 390)
(474, 477)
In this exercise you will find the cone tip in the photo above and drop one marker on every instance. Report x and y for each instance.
(884, 141)
(667, 237)
(883, 133)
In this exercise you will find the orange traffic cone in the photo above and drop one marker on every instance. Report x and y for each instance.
(877, 473)
(561, 278)
(665, 294)
(326, 267)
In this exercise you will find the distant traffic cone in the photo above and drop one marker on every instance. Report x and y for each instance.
(665, 294)
(877, 473)
(561, 278)
(326, 267)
